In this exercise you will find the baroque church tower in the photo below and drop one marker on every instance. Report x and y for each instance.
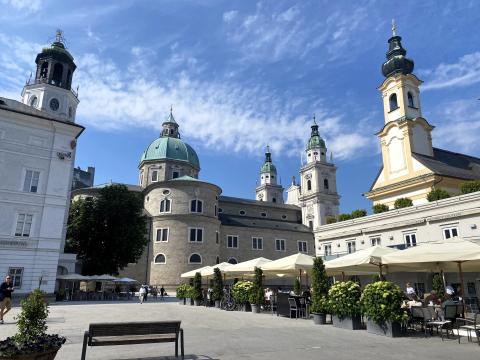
(317, 193)
(51, 89)
(269, 190)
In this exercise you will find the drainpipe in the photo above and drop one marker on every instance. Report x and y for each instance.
(147, 265)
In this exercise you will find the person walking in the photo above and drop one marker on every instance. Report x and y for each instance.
(142, 293)
(6, 289)
(162, 293)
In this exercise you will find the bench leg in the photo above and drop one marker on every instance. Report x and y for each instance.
(84, 347)
(176, 347)
(181, 344)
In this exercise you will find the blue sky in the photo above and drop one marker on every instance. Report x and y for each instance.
(243, 74)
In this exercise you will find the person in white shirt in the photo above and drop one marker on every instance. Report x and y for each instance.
(141, 294)
(449, 290)
(410, 290)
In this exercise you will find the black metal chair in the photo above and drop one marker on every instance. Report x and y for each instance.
(273, 303)
(431, 322)
(293, 307)
(470, 325)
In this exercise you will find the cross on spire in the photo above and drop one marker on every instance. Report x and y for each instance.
(394, 28)
(59, 36)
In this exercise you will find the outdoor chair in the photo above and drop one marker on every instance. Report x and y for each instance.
(293, 307)
(303, 308)
(430, 322)
(273, 303)
(470, 325)
(416, 317)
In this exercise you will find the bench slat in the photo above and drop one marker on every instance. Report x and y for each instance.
(134, 328)
(132, 339)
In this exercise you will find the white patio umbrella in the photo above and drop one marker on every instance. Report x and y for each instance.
(289, 265)
(245, 267)
(210, 269)
(104, 277)
(191, 273)
(73, 277)
(125, 280)
(362, 262)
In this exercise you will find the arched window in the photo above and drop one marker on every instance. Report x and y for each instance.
(160, 259)
(325, 184)
(165, 205)
(195, 259)
(232, 260)
(393, 102)
(33, 101)
(44, 70)
(196, 206)
(69, 79)
(309, 185)
(410, 100)
(57, 74)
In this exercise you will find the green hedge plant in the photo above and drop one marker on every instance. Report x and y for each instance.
(344, 217)
(380, 208)
(241, 292)
(437, 194)
(344, 299)
(402, 203)
(320, 287)
(297, 287)
(217, 289)
(470, 186)
(197, 287)
(437, 285)
(381, 302)
(330, 219)
(257, 296)
(183, 291)
(358, 213)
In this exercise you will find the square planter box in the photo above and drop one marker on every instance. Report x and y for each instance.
(387, 328)
(354, 323)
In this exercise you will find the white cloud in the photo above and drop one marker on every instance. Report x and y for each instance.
(27, 5)
(465, 72)
(230, 15)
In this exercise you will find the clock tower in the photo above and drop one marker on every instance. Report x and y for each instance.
(51, 89)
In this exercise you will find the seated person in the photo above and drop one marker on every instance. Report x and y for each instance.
(432, 298)
(409, 290)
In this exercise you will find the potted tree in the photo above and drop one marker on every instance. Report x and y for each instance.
(197, 289)
(241, 294)
(381, 303)
(320, 287)
(31, 342)
(217, 290)
(256, 295)
(182, 292)
(297, 289)
(344, 302)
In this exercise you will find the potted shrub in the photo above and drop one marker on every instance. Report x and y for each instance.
(381, 303)
(241, 294)
(344, 302)
(256, 296)
(31, 341)
(197, 289)
(217, 290)
(297, 289)
(320, 287)
(182, 292)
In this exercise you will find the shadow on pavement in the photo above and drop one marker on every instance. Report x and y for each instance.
(187, 357)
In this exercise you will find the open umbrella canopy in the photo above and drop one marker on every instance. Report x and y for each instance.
(191, 273)
(362, 262)
(104, 277)
(289, 265)
(436, 256)
(210, 269)
(73, 277)
(125, 280)
(245, 267)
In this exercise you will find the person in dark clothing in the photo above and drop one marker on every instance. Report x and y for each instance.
(162, 292)
(6, 290)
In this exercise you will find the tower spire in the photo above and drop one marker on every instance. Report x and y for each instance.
(394, 28)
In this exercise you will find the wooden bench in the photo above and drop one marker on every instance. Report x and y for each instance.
(109, 334)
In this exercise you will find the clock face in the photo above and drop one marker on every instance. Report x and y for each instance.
(54, 104)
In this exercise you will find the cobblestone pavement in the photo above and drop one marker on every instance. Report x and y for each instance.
(212, 334)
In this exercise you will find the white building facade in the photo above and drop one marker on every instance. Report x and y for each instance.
(37, 153)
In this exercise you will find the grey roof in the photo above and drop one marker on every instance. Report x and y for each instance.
(245, 221)
(451, 164)
(256, 202)
(18, 107)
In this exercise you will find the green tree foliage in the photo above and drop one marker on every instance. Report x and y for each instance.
(470, 186)
(330, 219)
(320, 287)
(344, 299)
(343, 217)
(297, 289)
(437, 194)
(379, 208)
(183, 291)
(358, 213)
(197, 287)
(381, 301)
(217, 290)
(32, 320)
(257, 297)
(242, 291)
(402, 203)
(437, 285)
(107, 232)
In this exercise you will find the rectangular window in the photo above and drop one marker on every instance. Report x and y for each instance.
(232, 241)
(16, 274)
(257, 243)
(302, 246)
(175, 175)
(31, 181)
(196, 235)
(24, 225)
(165, 205)
(419, 289)
(216, 237)
(162, 234)
(351, 247)
(196, 206)
(410, 240)
(310, 224)
(280, 244)
(375, 241)
(154, 175)
(327, 249)
(450, 232)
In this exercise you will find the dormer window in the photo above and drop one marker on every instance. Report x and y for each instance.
(393, 102)
(154, 175)
(411, 103)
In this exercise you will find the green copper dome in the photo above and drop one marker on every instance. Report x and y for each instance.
(268, 166)
(315, 140)
(170, 148)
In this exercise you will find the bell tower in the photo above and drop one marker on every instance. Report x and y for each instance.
(269, 190)
(51, 89)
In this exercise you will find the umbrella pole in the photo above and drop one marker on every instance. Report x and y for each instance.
(380, 270)
(300, 276)
(443, 279)
(460, 273)
(343, 276)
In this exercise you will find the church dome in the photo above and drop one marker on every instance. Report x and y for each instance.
(268, 166)
(170, 148)
(57, 51)
(315, 140)
(396, 60)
